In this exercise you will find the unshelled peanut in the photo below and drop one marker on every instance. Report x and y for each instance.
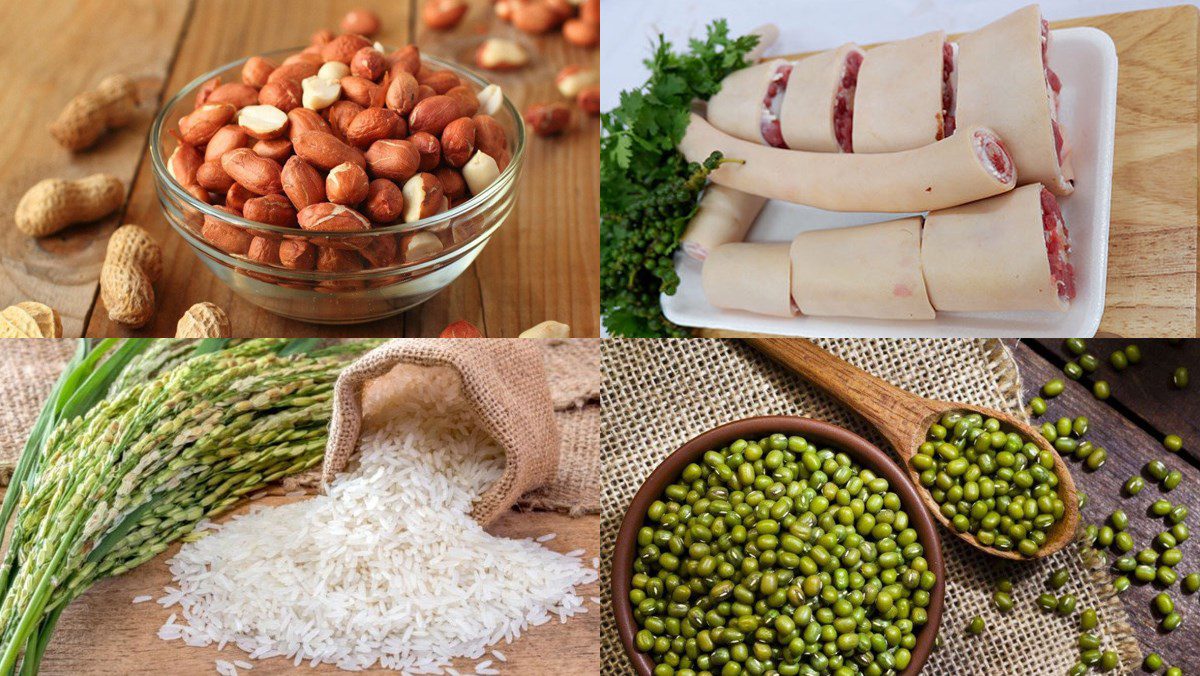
(203, 320)
(547, 329)
(132, 264)
(55, 203)
(89, 115)
(28, 319)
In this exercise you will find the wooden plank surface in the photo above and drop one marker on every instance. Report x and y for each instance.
(542, 264)
(1130, 446)
(53, 51)
(103, 632)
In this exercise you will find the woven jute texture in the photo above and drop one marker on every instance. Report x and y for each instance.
(659, 393)
(503, 380)
(31, 365)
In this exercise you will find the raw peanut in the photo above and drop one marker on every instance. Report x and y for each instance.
(385, 201)
(283, 94)
(198, 126)
(491, 139)
(329, 217)
(278, 149)
(458, 141)
(319, 93)
(301, 120)
(534, 17)
(203, 320)
(460, 329)
(548, 119)
(407, 59)
(212, 176)
(324, 151)
(490, 99)
(443, 15)
(263, 122)
(381, 251)
(225, 236)
(297, 254)
(256, 70)
(453, 185)
(500, 54)
(183, 163)
(433, 114)
(581, 33)
(368, 63)
(259, 175)
(504, 9)
(234, 93)
(361, 21)
(111, 105)
(401, 94)
(359, 90)
(229, 137)
(424, 92)
(574, 78)
(199, 192)
(264, 250)
(55, 203)
(333, 70)
(419, 246)
(132, 264)
(468, 103)
(237, 196)
(302, 184)
(295, 71)
(371, 125)
(205, 89)
(346, 184)
(28, 319)
(270, 209)
(589, 11)
(393, 159)
(310, 57)
(547, 329)
(562, 9)
(343, 47)
(423, 197)
(340, 115)
(480, 171)
(440, 81)
(429, 148)
(321, 38)
(338, 260)
(588, 100)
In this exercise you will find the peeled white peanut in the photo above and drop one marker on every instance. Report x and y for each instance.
(480, 171)
(262, 121)
(320, 93)
(490, 98)
(333, 71)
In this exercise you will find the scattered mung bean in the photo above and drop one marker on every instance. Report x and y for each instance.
(1058, 579)
(1089, 363)
(1053, 387)
(1153, 662)
(1088, 619)
(1133, 353)
(1191, 583)
(1180, 377)
(1172, 442)
(1172, 480)
(1101, 389)
(1171, 622)
(1163, 604)
(1076, 345)
(1108, 660)
(1118, 360)
(976, 625)
(1134, 485)
(1072, 370)
(1038, 406)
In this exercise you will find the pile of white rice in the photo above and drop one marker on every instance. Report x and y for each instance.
(387, 569)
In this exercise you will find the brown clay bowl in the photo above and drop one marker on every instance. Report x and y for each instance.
(862, 451)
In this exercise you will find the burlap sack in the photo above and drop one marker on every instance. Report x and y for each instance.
(32, 365)
(659, 393)
(503, 380)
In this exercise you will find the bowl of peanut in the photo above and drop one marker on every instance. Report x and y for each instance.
(339, 183)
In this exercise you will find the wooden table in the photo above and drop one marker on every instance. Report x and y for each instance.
(103, 632)
(1131, 424)
(542, 264)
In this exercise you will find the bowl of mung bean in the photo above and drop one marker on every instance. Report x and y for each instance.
(777, 545)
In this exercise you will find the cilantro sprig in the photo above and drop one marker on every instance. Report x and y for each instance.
(648, 190)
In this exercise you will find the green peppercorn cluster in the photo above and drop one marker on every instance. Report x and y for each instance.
(995, 485)
(777, 557)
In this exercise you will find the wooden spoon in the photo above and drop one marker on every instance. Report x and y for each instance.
(904, 419)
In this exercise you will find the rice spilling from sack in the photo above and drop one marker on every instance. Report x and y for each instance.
(387, 569)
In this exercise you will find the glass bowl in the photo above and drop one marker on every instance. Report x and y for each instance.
(449, 241)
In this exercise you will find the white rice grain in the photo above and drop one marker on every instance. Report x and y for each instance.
(142, 599)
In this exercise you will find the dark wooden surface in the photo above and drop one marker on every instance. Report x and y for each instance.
(1143, 408)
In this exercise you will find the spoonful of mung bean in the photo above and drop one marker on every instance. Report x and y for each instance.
(990, 477)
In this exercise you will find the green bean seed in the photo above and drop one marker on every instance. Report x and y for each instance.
(1101, 389)
(1133, 353)
(1072, 370)
(1180, 377)
(1134, 485)
(1123, 541)
(975, 626)
(1153, 662)
(1053, 387)
(1063, 426)
(1096, 459)
(1047, 601)
(1118, 360)
(1172, 442)
(1003, 601)
(1080, 426)
(1088, 619)
(1076, 345)
(1177, 514)
(1058, 579)
(1173, 671)
(1166, 576)
(1120, 583)
(1171, 622)
(1038, 406)
(1156, 469)
(1191, 583)
(1119, 520)
(1004, 585)
(1172, 480)
(1163, 604)
(1160, 507)
(1108, 660)
(1089, 362)
(1088, 641)
(1171, 557)
(1065, 604)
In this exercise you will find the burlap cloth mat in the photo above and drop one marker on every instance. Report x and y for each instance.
(659, 393)
(29, 367)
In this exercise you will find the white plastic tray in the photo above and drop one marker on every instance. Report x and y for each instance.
(1086, 62)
